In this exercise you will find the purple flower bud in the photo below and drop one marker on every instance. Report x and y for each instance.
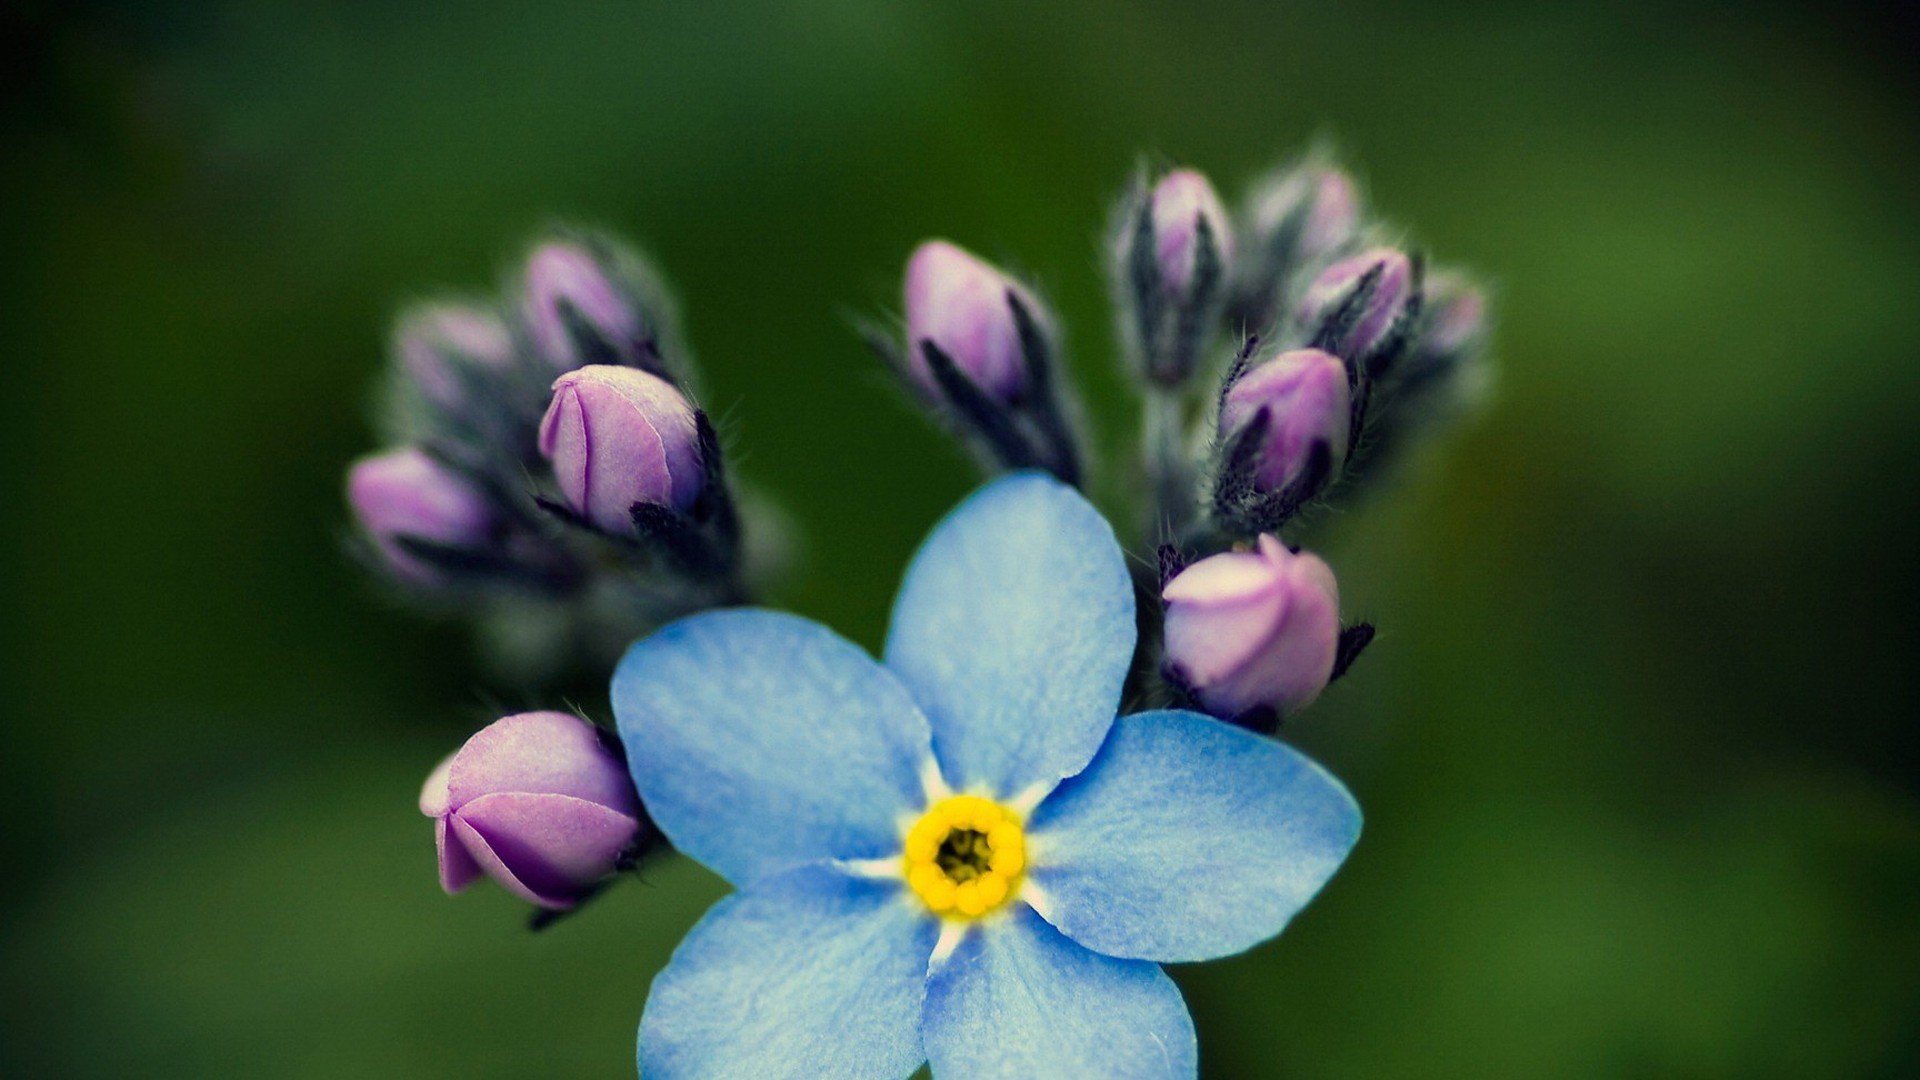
(959, 302)
(435, 341)
(618, 436)
(1306, 398)
(1326, 199)
(406, 493)
(1180, 200)
(1255, 629)
(1382, 309)
(1457, 315)
(537, 803)
(565, 277)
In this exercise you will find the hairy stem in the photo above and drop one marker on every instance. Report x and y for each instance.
(1163, 455)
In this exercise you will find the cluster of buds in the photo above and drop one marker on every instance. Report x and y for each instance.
(1276, 350)
(550, 474)
(1370, 346)
(547, 451)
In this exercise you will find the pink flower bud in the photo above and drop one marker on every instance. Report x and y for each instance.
(959, 302)
(537, 803)
(434, 342)
(1326, 199)
(1307, 400)
(1457, 315)
(1247, 630)
(1180, 200)
(565, 277)
(618, 436)
(1383, 307)
(1377, 315)
(406, 493)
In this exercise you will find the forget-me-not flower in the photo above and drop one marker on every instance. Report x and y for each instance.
(960, 856)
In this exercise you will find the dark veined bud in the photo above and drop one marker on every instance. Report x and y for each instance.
(958, 301)
(979, 353)
(1184, 205)
(1355, 307)
(1173, 247)
(1305, 399)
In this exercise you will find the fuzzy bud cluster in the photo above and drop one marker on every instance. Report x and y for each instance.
(545, 449)
(546, 444)
(550, 475)
(1280, 350)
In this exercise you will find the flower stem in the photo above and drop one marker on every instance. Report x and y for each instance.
(1163, 455)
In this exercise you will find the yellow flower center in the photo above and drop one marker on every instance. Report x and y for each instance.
(965, 855)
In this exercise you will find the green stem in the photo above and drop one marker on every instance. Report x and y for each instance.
(1163, 454)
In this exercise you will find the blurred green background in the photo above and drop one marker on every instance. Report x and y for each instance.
(1637, 743)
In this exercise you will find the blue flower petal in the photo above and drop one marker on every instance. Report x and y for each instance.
(760, 740)
(809, 973)
(1018, 1000)
(1187, 839)
(1013, 630)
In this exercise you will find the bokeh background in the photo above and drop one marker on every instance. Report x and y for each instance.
(1637, 743)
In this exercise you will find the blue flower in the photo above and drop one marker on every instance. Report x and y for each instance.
(961, 856)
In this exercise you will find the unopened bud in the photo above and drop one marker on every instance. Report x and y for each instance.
(1253, 630)
(1367, 320)
(579, 310)
(618, 436)
(959, 302)
(1456, 316)
(1444, 373)
(443, 346)
(1181, 202)
(536, 802)
(1323, 201)
(406, 494)
(1305, 396)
